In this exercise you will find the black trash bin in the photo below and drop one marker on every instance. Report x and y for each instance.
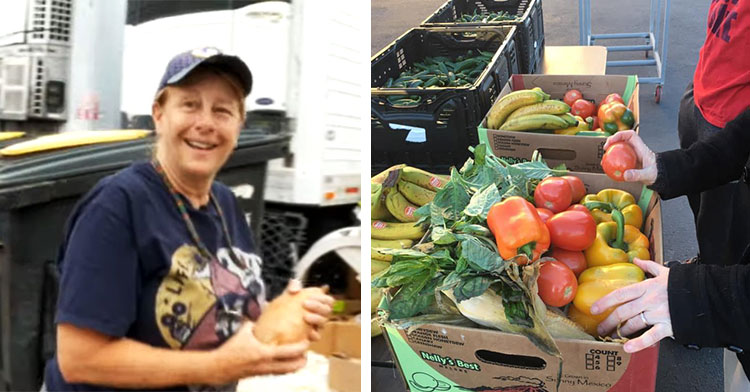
(37, 193)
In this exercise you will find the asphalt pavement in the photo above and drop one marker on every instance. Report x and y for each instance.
(680, 369)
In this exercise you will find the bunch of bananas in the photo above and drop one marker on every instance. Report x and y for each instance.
(531, 110)
(396, 193)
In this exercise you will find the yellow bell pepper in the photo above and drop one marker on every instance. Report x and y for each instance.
(586, 321)
(614, 199)
(622, 271)
(588, 293)
(616, 243)
(596, 282)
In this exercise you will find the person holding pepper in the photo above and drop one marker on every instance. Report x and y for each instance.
(697, 304)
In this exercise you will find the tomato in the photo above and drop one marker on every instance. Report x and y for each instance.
(554, 194)
(574, 259)
(577, 188)
(614, 97)
(557, 284)
(618, 158)
(572, 230)
(582, 108)
(593, 122)
(544, 214)
(571, 96)
(579, 207)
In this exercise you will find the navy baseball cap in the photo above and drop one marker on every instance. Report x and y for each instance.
(182, 64)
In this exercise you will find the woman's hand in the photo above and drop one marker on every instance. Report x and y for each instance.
(242, 355)
(648, 298)
(317, 309)
(646, 157)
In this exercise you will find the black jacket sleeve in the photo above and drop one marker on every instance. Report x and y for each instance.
(706, 164)
(710, 305)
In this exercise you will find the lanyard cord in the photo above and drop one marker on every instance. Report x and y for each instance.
(189, 223)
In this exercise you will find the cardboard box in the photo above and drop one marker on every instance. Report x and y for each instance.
(578, 153)
(447, 358)
(574, 60)
(341, 342)
(339, 337)
(344, 374)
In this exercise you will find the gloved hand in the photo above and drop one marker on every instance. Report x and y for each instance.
(646, 157)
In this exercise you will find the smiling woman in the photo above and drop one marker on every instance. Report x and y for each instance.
(160, 280)
(197, 125)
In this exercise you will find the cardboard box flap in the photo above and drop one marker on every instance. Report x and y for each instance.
(344, 375)
(597, 86)
(340, 337)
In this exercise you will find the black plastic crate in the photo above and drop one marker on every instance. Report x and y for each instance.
(37, 193)
(529, 21)
(282, 236)
(435, 133)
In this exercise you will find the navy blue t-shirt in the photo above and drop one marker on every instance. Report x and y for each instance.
(129, 268)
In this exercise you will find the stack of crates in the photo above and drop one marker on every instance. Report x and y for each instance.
(416, 123)
(526, 15)
(432, 127)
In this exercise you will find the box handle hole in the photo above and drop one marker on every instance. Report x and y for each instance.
(558, 154)
(511, 360)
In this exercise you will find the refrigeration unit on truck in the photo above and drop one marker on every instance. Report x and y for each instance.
(34, 58)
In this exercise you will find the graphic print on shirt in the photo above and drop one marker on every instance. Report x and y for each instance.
(202, 303)
(720, 19)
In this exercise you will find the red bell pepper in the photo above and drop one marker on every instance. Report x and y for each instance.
(518, 229)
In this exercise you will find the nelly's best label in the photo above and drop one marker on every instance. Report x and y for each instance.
(448, 361)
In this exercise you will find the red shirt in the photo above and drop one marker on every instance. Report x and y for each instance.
(722, 77)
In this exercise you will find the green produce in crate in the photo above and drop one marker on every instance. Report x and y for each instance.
(437, 72)
(442, 71)
(484, 18)
(404, 100)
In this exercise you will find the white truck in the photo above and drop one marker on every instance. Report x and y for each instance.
(306, 58)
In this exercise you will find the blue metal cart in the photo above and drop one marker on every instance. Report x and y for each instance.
(659, 13)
